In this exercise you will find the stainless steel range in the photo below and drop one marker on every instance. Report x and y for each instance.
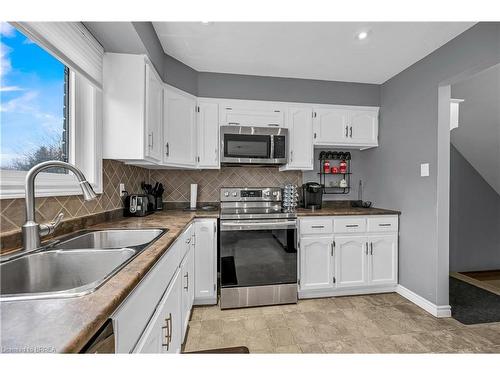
(258, 254)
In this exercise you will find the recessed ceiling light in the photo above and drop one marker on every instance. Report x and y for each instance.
(362, 35)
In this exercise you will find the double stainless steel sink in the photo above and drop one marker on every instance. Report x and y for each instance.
(73, 267)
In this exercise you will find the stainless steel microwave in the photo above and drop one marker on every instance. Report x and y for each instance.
(253, 145)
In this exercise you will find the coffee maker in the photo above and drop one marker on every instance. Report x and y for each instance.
(312, 195)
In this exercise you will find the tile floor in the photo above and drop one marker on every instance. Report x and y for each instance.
(382, 323)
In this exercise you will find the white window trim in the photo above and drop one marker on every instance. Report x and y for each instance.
(85, 148)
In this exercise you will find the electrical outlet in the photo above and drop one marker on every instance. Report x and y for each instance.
(424, 170)
(122, 190)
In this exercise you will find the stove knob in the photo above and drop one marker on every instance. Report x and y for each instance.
(226, 194)
(266, 193)
(275, 193)
(235, 194)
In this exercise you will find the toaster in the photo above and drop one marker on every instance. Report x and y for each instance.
(138, 205)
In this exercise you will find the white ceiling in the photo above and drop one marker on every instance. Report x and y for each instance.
(314, 50)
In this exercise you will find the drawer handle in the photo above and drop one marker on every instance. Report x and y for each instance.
(168, 327)
(273, 124)
(317, 226)
(233, 123)
(384, 225)
(352, 225)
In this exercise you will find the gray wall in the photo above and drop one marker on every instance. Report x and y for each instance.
(478, 135)
(237, 86)
(140, 37)
(474, 218)
(408, 136)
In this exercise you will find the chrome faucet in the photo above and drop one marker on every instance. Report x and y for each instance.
(31, 230)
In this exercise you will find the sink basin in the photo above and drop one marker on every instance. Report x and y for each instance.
(59, 272)
(77, 266)
(111, 239)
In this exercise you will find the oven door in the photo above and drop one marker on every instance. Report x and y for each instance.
(258, 252)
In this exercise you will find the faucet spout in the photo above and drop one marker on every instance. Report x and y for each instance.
(31, 229)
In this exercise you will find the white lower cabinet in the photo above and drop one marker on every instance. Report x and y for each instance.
(383, 260)
(350, 261)
(347, 255)
(205, 258)
(164, 331)
(316, 263)
(155, 315)
(188, 279)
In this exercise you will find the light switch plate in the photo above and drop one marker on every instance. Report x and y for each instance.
(424, 169)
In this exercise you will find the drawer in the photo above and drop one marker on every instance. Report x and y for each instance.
(316, 226)
(133, 315)
(349, 225)
(383, 224)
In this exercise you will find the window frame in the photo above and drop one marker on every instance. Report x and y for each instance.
(85, 149)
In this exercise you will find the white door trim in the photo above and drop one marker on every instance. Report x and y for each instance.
(443, 311)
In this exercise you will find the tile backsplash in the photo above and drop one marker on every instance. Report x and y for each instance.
(177, 182)
(114, 172)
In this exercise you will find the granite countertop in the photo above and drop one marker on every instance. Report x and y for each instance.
(66, 325)
(341, 211)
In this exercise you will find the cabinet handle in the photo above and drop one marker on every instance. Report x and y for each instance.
(168, 149)
(346, 131)
(273, 124)
(352, 226)
(366, 251)
(291, 156)
(187, 281)
(333, 247)
(314, 135)
(233, 123)
(317, 226)
(168, 327)
(384, 225)
(150, 141)
(371, 248)
(350, 135)
(188, 240)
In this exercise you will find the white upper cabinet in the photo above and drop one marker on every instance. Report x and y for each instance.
(207, 126)
(363, 127)
(179, 129)
(132, 109)
(330, 126)
(300, 138)
(154, 115)
(350, 127)
(251, 113)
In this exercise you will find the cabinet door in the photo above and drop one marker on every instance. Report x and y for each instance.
(351, 260)
(363, 127)
(205, 279)
(383, 260)
(154, 115)
(330, 126)
(300, 145)
(316, 263)
(187, 273)
(207, 124)
(180, 135)
(163, 333)
(251, 114)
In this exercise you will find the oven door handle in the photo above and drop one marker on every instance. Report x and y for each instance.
(231, 226)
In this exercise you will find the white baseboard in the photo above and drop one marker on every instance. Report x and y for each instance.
(306, 294)
(442, 311)
(205, 301)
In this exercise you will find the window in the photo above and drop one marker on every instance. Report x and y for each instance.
(34, 104)
(49, 109)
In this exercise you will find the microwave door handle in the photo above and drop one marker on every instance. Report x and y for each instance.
(271, 156)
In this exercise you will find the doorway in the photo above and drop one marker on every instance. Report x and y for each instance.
(474, 197)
